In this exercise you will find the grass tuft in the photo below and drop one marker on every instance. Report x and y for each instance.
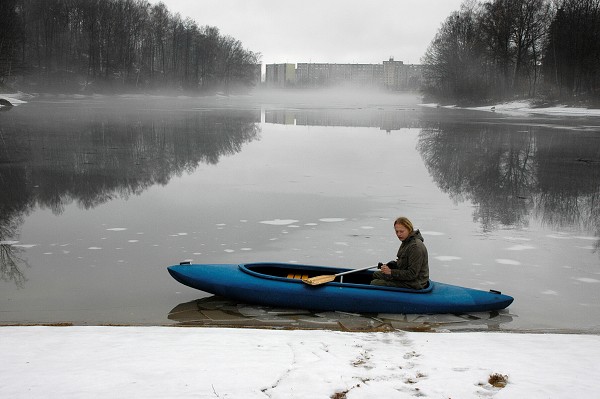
(498, 380)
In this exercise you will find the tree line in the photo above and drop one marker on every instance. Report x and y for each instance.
(507, 49)
(95, 45)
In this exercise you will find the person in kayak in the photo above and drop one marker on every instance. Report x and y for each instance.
(411, 268)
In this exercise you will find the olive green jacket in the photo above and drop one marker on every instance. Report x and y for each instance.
(412, 265)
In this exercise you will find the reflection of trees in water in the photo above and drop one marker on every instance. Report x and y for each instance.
(553, 175)
(569, 182)
(13, 205)
(491, 169)
(94, 158)
(10, 261)
(91, 156)
(10, 265)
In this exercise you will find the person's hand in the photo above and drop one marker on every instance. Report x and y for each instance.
(386, 270)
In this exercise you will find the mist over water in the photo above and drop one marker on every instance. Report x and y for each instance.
(100, 194)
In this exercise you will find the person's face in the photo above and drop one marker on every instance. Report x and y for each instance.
(401, 232)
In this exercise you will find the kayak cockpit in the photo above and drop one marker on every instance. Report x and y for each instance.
(299, 272)
(296, 273)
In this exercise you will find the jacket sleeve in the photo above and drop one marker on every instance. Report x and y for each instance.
(410, 264)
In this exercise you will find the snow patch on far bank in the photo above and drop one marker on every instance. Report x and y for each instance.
(525, 107)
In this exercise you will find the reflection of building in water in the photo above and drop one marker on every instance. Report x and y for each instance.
(391, 75)
(280, 116)
(383, 119)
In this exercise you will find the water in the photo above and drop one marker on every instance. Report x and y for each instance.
(98, 195)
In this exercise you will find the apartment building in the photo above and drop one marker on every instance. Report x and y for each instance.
(280, 75)
(392, 75)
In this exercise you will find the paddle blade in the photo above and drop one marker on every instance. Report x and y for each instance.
(318, 280)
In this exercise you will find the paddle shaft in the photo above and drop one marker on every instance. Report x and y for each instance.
(318, 280)
(353, 271)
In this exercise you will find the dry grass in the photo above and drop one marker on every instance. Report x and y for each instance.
(498, 380)
(339, 395)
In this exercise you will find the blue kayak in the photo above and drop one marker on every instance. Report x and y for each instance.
(281, 285)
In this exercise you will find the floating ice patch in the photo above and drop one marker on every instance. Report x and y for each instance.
(311, 224)
(367, 227)
(559, 237)
(245, 249)
(520, 247)
(433, 233)
(279, 222)
(587, 280)
(549, 292)
(133, 241)
(507, 262)
(229, 250)
(332, 220)
(24, 245)
(182, 234)
(94, 248)
(117, 229)
(447, 258)
(585, 247)
(517, 238)
(8, 242)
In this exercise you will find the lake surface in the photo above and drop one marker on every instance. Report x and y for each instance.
(99, 194)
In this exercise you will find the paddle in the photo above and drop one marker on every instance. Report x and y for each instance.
(318, 280)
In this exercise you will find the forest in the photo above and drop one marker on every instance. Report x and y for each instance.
(488, 51)
(116, 46)
(509, 49)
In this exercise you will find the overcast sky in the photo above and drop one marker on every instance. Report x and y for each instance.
(336, 31)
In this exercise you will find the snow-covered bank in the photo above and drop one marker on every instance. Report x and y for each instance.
(14, 98)
(161, 362)
(525, 108)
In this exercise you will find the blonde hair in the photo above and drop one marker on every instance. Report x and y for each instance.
(405, 222)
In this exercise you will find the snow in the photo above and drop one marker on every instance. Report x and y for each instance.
(13, 98)
(167, 362)
(525, 107)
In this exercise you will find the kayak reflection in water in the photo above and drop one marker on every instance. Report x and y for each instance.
(411, 268)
